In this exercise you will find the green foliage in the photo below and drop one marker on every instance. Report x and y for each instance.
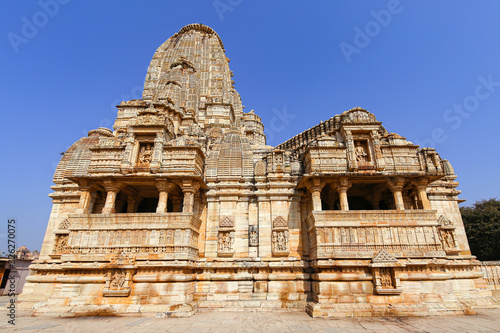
(482, 224)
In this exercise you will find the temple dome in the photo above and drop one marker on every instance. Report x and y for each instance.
(76, 160)
(231, 158)
(191, 70)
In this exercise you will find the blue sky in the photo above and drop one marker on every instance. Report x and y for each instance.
(429, 70)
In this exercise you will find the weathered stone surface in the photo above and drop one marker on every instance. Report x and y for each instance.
(184, 206)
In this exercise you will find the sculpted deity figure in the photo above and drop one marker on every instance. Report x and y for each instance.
(146, 154)
(448, 239)
(386, 277)
(253, 238)
(360, 152)
(117, 280)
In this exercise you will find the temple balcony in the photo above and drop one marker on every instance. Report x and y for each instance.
(146, 236)
(363, 233)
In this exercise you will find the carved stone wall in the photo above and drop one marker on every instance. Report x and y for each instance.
(183, 206)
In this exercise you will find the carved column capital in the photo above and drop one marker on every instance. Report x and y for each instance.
(112, 186)
(343, 184)
(396, 184)
(164, 185)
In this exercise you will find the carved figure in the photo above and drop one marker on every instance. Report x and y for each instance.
(225, 242)
(280, 241)
(386, 277)
(117, 280)
(62, 244)
(146, 154)
(448, 238)
(360, 152)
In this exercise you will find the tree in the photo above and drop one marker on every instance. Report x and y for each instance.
(482, 225)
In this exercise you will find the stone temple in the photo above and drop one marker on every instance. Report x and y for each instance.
(182, 207)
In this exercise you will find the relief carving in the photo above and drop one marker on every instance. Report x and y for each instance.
(227, 222)
(280, 222)
(360, 153)
(280, 242)
(64, 225)
(62, 244)
(253, 235)
(386, 278)
(146, 154)
(117, 281)
(447, 238)
(260, 168)
(225, 242)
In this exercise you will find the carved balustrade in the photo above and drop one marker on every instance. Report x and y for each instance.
(146, 235)
(361, 234)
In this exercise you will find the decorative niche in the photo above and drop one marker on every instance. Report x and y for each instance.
(280, 237)
(225, 238)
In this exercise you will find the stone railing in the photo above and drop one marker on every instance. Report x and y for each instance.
(133, 221)
(361, 234)
(374, 217)
(151, 235)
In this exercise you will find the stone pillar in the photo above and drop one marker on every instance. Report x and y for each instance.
(212, 228)
(316, 194)
(189, 189)
(126, 163)
(241, 227)
(253, 221)
(342, 188)
(131, 204)
(316, 198)
(265, 227)
(163, 188)
(422, 196)
(157, 153)
(396, 186)
(375, 200)
(112, 191)
(85, 201)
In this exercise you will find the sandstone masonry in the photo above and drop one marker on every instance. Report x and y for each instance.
(183, 207)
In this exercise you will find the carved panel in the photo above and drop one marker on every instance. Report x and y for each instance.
(64, 225)
(280, 222)
(280, 243)
(253, 235)
(386, 280)
(117, 281)
(145, 154)
(225, 243)
(260, 168)
(448, 238)
(227, 222)
(61, 246)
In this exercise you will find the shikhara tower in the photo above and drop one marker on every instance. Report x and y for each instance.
(184, 206)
